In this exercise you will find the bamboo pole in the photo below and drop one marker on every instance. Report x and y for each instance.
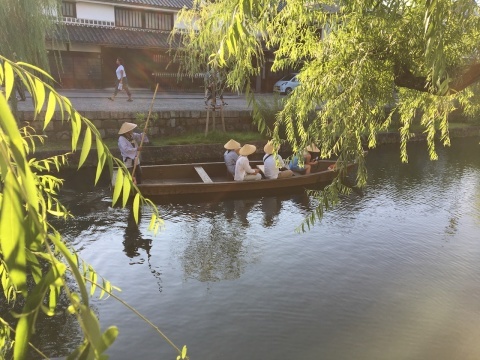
(144, 131)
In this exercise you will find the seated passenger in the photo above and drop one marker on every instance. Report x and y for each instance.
(231, 155)
(243, 171)
(274, 167)
(307, 160)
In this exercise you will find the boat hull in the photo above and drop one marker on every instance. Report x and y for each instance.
(182, 180)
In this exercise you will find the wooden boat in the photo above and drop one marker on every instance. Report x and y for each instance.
(212, 181)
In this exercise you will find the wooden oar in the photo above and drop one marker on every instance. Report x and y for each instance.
(143, 133)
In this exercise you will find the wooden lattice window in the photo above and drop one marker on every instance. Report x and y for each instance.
(128, 18)
(69, 9)
(158, 21)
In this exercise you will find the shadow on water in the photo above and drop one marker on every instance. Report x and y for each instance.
(133, 240)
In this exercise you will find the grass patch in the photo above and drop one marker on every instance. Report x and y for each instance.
(214, 137)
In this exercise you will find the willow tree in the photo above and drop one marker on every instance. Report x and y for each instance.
(359, 62)
(25, 24)
(37, 265)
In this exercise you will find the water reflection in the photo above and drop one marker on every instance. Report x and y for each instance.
(404, 253)
(133, 241)
(215, 249)
(271, 207)
(132, 238)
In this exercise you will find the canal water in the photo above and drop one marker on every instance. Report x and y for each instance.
(393, 272)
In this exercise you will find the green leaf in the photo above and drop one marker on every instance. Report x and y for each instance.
(136, 206)
(25, 326)
(152, 222)
(50, 109)
(92, 329)
(100, 165)
(53, 298)
(55, 238)
(87, 144)
(126, 190)
(109, 337)
(76, 129)
(93, 279)
(39, 95)
(9, 79)
(118, 186)
(184, 351)
(12, 232)
(35, 267)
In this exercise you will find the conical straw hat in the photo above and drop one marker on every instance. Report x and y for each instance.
(268, 148)
(232, 145)
(312, 148)
(247, 149)
(126, 127)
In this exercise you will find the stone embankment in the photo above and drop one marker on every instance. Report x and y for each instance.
(162, 123)
(173, 114)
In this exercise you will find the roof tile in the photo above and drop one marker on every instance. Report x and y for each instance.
(174, 4)
(120, 37)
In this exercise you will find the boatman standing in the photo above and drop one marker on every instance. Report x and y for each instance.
(231, 155)
(128, 144)
(243, 171)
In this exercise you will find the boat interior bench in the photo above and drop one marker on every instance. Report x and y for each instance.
(203, 174)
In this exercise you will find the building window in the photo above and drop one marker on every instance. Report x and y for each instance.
(158, 21)
(128, 18)
(143, 19)
(68, 9)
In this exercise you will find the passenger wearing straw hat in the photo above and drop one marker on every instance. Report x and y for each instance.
(307, 160)
(128, 144)
(273, 164)
(243, 171)
(231, 155)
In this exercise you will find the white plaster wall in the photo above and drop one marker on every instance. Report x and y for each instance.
(85, 48)
(179, 25)
(56, 47)
(95, 11)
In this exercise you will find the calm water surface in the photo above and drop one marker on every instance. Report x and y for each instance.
(391, 273)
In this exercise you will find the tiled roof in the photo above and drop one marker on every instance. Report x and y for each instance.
(174, 4)
(119, 37)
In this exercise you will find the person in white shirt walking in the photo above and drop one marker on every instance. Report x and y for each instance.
(274, 167)
(122, 82)
(243, 171)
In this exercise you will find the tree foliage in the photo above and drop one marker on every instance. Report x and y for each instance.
(24, 29)
(35, 262)
(361, 63)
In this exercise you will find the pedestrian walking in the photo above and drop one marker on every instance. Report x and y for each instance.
(122, 82)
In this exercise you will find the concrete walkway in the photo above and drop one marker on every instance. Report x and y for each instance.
(97, 100)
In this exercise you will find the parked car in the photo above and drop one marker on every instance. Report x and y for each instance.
(286, 84)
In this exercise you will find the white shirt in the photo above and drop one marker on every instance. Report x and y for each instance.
(129, 150)
(119, 70)
(242, 167)
(230, 158)
(272, 165)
